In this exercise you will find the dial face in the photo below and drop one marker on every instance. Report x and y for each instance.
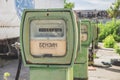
(84, 32)
(48, 38)
(45, 29)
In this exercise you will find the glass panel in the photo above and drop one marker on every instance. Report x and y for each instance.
(84, 32)
(47, 29)
(48, 38)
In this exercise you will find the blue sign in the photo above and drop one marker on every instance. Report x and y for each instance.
(23, 4)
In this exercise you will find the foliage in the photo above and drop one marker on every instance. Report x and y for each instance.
(113, 11)
(6, 74)
(69, 5)
(109, 41)
(110, 28)
(110, 32)
(117, 48)
(116, 32)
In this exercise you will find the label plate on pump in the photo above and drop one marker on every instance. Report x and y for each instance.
(48, 48)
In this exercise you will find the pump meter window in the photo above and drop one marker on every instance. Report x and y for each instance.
(48, 38)
(84, 32)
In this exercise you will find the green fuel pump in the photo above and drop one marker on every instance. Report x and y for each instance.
(91, 47)
(49, 41)
(81, 62)
(93, 43)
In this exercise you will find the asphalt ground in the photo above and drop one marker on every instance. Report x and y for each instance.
(100, 72)
(104, 68)
(11, 67)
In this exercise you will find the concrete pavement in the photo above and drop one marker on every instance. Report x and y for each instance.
(105, 72)
(101, 72)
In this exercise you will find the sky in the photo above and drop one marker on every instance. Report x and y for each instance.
(91, 4)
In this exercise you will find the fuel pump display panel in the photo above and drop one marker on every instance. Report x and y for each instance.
(48, 38)
(47, 29)
(84, 32)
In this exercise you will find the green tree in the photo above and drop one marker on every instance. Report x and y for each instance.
(110, 28)
(69, 5)
(113, 11)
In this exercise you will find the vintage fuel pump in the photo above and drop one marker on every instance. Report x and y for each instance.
(81, 62)
(94, 43)
(49, 41)
(95, 33)
(91, 47)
